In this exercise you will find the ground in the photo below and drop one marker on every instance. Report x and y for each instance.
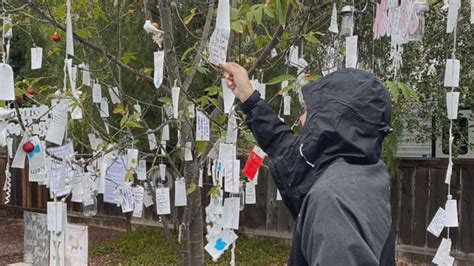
(147, 246)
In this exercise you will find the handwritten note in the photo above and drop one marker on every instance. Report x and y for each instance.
(437, 224)
(58, 122)
(125, 197)
(231, 213)
(77, 186)
(141, 170)
(152, 141)
(163, 205)
(114, 178)
(7, 86)
(20, 155)
(250, 193)
(232, 128)
(59, 171)
(104, 108)
(232, 175)
(351, 51)
(36, 239)
(76, 245)
(218, 45)
(202, 127)
(97, 93)
(442, 256)
(36, 57)
(229, 97)
(180, 192)
(451, 74)
(138, 193)
(451, 209)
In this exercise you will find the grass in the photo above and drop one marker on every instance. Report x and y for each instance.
(150, 247)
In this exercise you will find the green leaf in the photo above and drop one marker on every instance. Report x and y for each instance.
(191, 188)
(189, 17)
(211, 91)
(165, 100)
(214, 191)
(83, 33)
(280, 79)
(393, 90)
(234, 13)
(407, 91)
(258, 14)
(311, 39)
(237, 26)
(129, 176)
(201, 146)
(127, 57)
(282, 7)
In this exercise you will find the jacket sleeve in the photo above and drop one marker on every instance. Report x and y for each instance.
(272, 134)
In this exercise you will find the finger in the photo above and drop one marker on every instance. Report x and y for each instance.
(229, 67)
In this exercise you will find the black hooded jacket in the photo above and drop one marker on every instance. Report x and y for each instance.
(333, 161)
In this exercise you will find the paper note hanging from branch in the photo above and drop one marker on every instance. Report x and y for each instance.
(254, 162)
(220, 37)
(36, 57)
(333, 26)
(69, 32)
(159, 59)
(7, 85)
(229, 97)
(175, 100)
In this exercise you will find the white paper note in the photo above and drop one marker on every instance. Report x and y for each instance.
(76, 245)
(232, 176)
(333, 26)
(452, 15)
(36, 57)
(250, 193)
(449, 172)
(147, 197)
(220, 243)
(163, 172)
(175, 98)
(37, 162)
(159, 59)
(115, 95)
(77, 186)
(293, 56)
(20, 155)
(188, 152)
(69, 32)
(472, 11)
(114, 178)
(286, 104)
(442, 256)
(273, 53)
(351, 51)
(152, 141)
(132, 158)
(451, 74)
(125, 197)
(97, 93)
(232, 128)
(165, 133)
(104, 108)
(94, 141)
(55, 216)
(59, 171)
(86, 75)
(227, 151)
(452, 103)
(202, 127)
(218, 44)
(7, 86)
(231, 213)
(278, 197)
(141, 170)
(229, 97)
(138, 193)
(180, 192)
(451, 213)
(192, 110)
(260, 87)
(163, 205)
(201, 176)
(437, 224)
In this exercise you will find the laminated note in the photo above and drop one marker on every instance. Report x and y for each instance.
(452, 15)
(191, 110)
(188, 153)
(230, 213)
(7, 85)
(165, 133)
(250, 193)
(232, 176)
(451, 208)
(253, 163)
(20, 155)
(114, 178)
(141, 170)
(180, 192)
(175, 100)
(55, 216)
(58, 123)
(115, 95)
(86, 74)
(77, 186)
(96, 93)
(60, 170)
(69, 32)
(125, 197)
(449, 172)
(163, 205)
(227, 151)
(163, 172)
(202, 127)
(36, 57)
(104, 108)
(451, 74)
(452, 103)
(132, 158)
(437, 224)
(351, 51)
(219, 41)
(159, 59)
(152, 141)
(229, 96)
(147, 197)
(138, 193)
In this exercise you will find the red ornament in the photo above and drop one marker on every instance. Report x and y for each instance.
(30, 91)
(56, 37)
(28, 147)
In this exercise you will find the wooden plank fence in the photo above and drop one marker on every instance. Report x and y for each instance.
(416, 194)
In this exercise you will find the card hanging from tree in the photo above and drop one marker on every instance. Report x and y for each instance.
(253, 163)
(219, 41)
(159, 59)
(202, 126)
(36, 57)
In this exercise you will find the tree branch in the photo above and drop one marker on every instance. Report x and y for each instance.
(89, 44)
(274, 41)
(168, 41)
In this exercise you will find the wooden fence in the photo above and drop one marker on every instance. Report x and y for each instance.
(416, 194)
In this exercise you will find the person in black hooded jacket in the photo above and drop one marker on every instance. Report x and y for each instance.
(330, 175)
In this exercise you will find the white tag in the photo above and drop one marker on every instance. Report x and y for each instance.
(232, 128)
(231, 213)
(163, 172)
(114, 179)
(104, 108)
(147, 197)
(201, 175)
(452, 15)
(152, 141)
(37, 162)
(188, 154)
(437, 224)
(287, 104)
(333, 26)
(278, 198)
(191, 110)
(293, 56)
(175, 98)
(141, 170)
(86, 75)
(442, 256)
(159, 59)
(260, 87)
(168, 110)
(114, 95)
(472, 11)
(202, 127)
(97, 93)
(132, 157)
(94, 141)
(103, 173)
(220, 243)
(452, 103)
(138, 192)
(351, 51)
(20, 155)
(69, 32)
(250, 193)
(180, 192)
(77, 187)
(36, 57)
(125, 197)
(273, 53)
(229, 97)
(163, 148)
(451, 74)
(451, 213)
(227, 151)
(232, 175)
(163, 205)
(165, 133)
(55, 212)
(449, 172)
(7, 85)
(76, 113)
(57, 124)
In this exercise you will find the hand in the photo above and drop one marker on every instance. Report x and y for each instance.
(237, 80)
